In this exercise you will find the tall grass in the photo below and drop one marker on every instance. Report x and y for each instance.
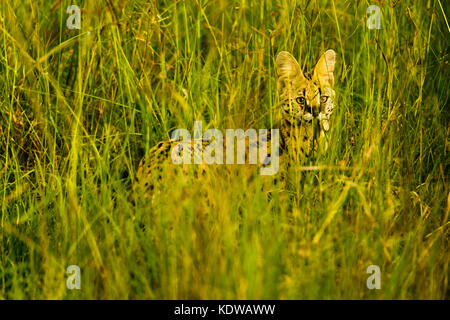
(79, 108)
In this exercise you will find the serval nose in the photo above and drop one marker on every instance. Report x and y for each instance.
(314, 110)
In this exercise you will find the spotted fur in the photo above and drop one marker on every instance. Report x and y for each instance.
(307, 105)
(307, 102)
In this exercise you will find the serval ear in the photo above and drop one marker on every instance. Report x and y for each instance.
(288, 70)
(323, 71)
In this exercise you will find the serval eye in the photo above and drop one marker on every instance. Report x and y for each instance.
(323, 99)
(300, 100)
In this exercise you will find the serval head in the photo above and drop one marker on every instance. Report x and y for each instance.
(307, 102)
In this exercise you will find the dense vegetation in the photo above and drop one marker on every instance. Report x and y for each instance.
(79, 108)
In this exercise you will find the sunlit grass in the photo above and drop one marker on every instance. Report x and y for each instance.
(79, 108)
